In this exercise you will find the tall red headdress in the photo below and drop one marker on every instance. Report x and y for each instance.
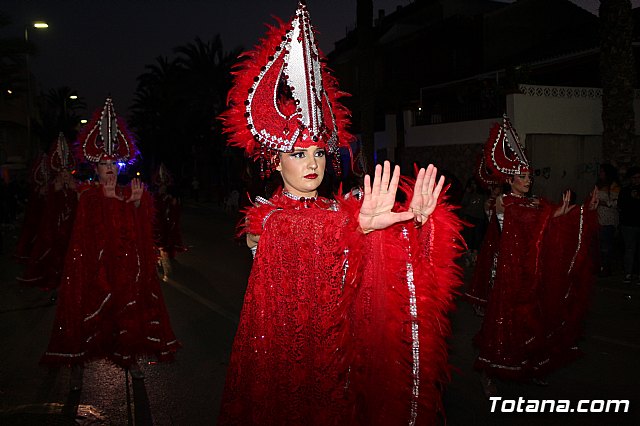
(60, 156)
(106, 136)
(503, 153)
(283, 95)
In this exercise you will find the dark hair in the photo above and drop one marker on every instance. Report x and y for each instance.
(611, 175)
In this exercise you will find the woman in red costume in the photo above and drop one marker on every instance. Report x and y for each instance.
(110, 302)
(345, 315)
(537, 258)
(45, 264)
(167, 220)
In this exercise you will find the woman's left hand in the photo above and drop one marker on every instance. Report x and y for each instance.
(375, 212)
(564, 207)
(137, 188)
(425, 194)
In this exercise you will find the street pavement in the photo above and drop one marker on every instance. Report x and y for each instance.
(204, 296)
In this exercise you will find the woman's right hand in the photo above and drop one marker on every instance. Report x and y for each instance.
(109, 187)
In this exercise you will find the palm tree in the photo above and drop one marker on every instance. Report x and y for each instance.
(59, 113)
(158, 116)
(209, 69)
(618, 82)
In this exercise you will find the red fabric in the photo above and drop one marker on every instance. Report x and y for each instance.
(110, 304)
(317, 346)
(482, 281)
(521, 337)
(44, 267)
(168, 236)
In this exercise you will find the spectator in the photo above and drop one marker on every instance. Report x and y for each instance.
(629, 208)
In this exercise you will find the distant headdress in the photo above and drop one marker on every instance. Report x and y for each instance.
(284, 97)
(60, 156)
(40, 174)
(162, 176)
(503, 153)
(106, 136)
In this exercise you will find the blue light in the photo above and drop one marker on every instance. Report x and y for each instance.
(121, 164)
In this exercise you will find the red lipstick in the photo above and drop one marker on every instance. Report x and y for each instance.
(311, 176)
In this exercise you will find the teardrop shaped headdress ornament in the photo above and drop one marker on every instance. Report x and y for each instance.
(283, 96)
(40, 173)
(162, 176)
(61, 157)
(504, 154)
(107, 136)
(485, 176)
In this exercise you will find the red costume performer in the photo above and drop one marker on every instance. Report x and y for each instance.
(167, 221)
(40, 176)
(539, 261)
(340, 325)
(110, 301)
(45, 264)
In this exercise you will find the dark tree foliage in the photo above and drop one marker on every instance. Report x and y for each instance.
(175, 112)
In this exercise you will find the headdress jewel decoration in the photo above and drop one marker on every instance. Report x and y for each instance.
(61, 157)
(504, 154)
(283, 95)
(106, 136)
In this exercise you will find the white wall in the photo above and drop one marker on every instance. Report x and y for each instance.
(538, 110)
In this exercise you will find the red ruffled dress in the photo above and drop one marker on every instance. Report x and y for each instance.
(110, 304)
(45, 263)
(543, 275)
(338, 327)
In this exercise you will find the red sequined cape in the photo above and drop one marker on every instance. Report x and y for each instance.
(338, 327)
(110, 304)
(540, 293)
(167, 224)
(46, 260)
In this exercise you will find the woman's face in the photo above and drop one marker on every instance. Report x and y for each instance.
(106, 168)
(520, 184)
(303, 170)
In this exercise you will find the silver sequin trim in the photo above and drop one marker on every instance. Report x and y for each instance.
(579, 245)
(99, 309)
(415, 337)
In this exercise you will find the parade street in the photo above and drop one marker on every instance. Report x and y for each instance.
(204, 295)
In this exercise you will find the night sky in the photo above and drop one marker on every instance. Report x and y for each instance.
(100, 47)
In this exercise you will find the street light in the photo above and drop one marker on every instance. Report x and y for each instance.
(40, 25)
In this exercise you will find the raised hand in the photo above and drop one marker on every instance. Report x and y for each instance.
(109, 187)
(564, 207)
(425, 194)
(375, 212)
(137, 188)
